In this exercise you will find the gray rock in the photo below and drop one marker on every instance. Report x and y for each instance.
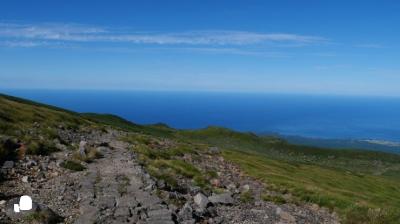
(61, 147)
(231, 187)
(122, 212)
(45, 214)
(186, 212)
(82, 148)
(8, 164)
(44, 166)
(161, 184)
(201, 200)
(245, 188)
(214, 150)
(285, 216)
(102, 149)
(25, 179)
(159, 216)
(30, 163)
(224, 198)
(89, 215)
(216, 220)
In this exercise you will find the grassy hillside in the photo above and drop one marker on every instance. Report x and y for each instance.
(351, 182)
(362, 186)
(33, 124)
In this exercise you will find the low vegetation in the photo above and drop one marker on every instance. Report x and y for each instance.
(361, 186)
(166, 163)
(72, 165)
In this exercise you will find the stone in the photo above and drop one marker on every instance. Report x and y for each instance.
(25, 179)
(8, 164)
(102, 149)
(122, 212)
(216, 220)
(61, 147)
(231, 187)
(30, 163)
(46, 215)
(186, 212)
(285, 216)
(159, 216)
(82, 148)
(214, 150)
(201, 200)
(224, 198)
(245, 188)
(215, 182)
(161, 184)
(44, 166)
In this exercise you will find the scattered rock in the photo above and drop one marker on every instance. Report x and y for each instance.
(245, 188)
(82, 148)
(8, 164)
(102, 149)
(61, 147)
(214, 150)
(215, 182)
(201, 200)
(39, 213)
(30, 163)
(224, 198)
(186, 212)
(161, 184)
(285, 216)
(25, 179)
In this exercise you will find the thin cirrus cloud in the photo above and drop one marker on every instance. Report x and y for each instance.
(32, 35)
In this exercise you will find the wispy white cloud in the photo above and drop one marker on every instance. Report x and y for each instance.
(376, 46)
(25, 43)
(80, 33)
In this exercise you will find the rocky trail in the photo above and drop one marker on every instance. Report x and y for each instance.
(116, 188)
(112, 191)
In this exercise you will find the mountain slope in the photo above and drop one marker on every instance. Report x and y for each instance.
(264, 174)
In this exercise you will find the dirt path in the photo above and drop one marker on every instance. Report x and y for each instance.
(112, 191)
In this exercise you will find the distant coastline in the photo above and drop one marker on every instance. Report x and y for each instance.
(372, 121)
(364, 144)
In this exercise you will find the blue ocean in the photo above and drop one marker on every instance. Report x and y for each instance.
(337, 117)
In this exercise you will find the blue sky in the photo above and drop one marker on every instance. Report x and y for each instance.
(322, 47)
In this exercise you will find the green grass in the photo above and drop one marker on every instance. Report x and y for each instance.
(362, 186)
(72, 165)
(333, 188)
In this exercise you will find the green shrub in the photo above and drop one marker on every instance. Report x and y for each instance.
(356, 215)
(40, 147)
(278, 199)
(246, 197)
(71, 165)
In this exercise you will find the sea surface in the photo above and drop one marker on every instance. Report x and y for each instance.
(333, 117)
